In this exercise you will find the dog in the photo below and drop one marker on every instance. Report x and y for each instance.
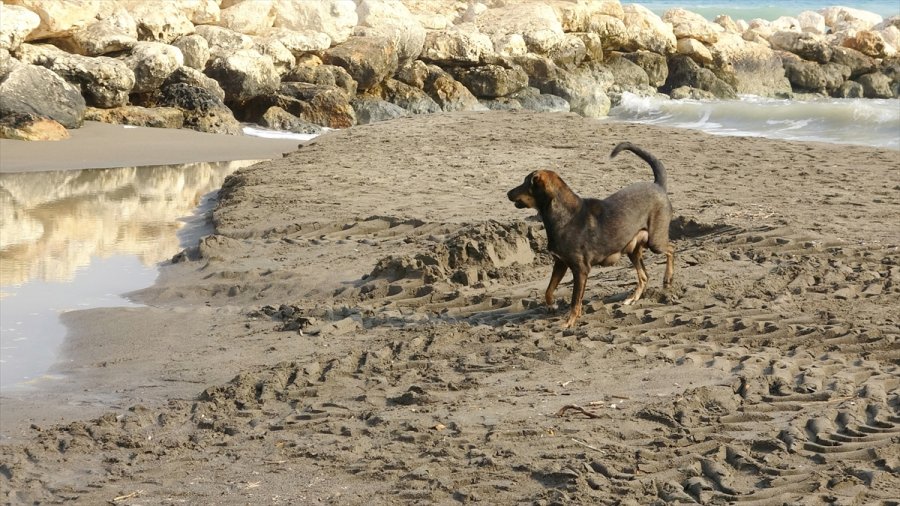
(583, 232)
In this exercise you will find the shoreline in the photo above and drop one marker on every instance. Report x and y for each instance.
(483, 361)
(100, 145)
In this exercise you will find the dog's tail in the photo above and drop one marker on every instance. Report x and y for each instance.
(659, 171)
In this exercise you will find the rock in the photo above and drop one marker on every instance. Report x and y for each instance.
(109, 35)
(222, 41)
(37, 90)
(645, 30)
(202, 12)
(857, 62)
(202, 110)
(805, 45)
(695, 50)
(335, 18)
(686, 24)
(876, 85)
(689, 93)
(805, 75)
(580, 88)
(323, 105)
(728, 24)
(17, 23)
(491, 81)
(311, 70)
(195, 50)
(194, 77)
(455, 47)
(6, 63)
(370, 110)
(683, 71)
(282, 58)
(756, 68)
(655, 65)
(449, 93)
(835, 76)
(156, 117)
(536, 22)
(593, 45)
(277, 118)
(869, 43)
(58, 17)
(105, 82)
(849, 89)
(160, 21)
(299, 42)
(533, 100)
(30, 127)
(812, 22)
(251, 18)
(412, 99)
(152, 63)
(392, 20)
(841, 18)
(244, 74)
(368, 60)
(626, 74)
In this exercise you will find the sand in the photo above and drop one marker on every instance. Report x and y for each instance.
(366, 327)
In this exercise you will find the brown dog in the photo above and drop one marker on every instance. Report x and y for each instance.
(586, 232)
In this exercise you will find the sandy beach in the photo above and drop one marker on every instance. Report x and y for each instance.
(366, 327)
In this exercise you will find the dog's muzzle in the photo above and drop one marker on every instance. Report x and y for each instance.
(514, 197)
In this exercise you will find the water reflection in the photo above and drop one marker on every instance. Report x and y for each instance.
(53, 223)
(78, 239)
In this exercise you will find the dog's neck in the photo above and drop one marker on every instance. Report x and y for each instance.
(558, 211)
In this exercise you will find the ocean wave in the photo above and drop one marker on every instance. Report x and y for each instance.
(870, 122)
(748, 9)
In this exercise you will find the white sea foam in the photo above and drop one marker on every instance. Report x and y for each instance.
(276, 134)
(870, 122)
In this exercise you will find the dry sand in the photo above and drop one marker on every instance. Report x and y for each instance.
(366, 328)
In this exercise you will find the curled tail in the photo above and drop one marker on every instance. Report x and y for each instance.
(659, 172)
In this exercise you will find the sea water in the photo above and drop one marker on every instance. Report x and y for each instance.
(768, 10)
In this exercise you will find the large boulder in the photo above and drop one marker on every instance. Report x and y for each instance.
(195, 50)
(584, 16)
(152, 63)
(695, 49)
(490, 81)
(876, 85)
(251, 18)
(222, 41)
(244, 74)
(17, 23)
(326, 106)
(160, 21)
(392, 20)
(858, 63)
(194, 77)
(447, 92)
(369, 60)
(654, 64)
(683, 71)
(806, 45)
(370, 109)
(202, 110)
(536, 22)
(299, 42)
(805, 75)
(645, 30)
(104, 82)
(413, 99)
(37, 90)
(687, 24)
(843, 18)
(282, 58)
(627, 75)
(30, 127)
(456, 46)
(156, 117)
(58, 17)
(812, 22)
(335, 18)
(755, 67)
(580, 88)
(869, 43)
(277, 118)
(113, 33)
(310, 69)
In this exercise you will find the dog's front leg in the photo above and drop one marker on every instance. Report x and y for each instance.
(579, 281)
(559, 270)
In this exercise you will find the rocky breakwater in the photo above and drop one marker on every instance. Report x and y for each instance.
(298, 65)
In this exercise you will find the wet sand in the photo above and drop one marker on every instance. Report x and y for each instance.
(366, 327)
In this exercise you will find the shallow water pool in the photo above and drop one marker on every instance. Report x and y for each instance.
(81, 239)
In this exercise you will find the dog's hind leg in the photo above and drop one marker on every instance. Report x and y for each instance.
(559, 270)
(670, 265)
(637, 259)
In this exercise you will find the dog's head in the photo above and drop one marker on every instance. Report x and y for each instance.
(538, 189)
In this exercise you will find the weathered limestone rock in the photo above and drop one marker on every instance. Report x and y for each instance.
(59, 17)
(812, 22)
(579, 88)
(335, 18)
(535, 22)
(370, 110)
(152, 63)
(202, 110)
(277, 118)
(695, 49)
(369, 60)
(869, 43)
(654, 65)
(627, 75)
(456, 46)
(392, 20)
(683, 71)
(16, 22)
(104, 81)
(858, 63)
(645, 30)
(805, 75)
(843, 18)
(876, 85)
(412, 99)
(115, 32)
(156, 117)
(194, 77)
(583, 16)
(299, 42)
(282, 58)
(195, 50)
(159, 20)
(222, 41)
(244, 74)
(835, 75)
(850, 89)
(447, 92)
(805, 45)
(491, 81)
(37, 90)
(30, 127)
(251, 18)
(326, 106)
(756, 68)
(692, 25)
